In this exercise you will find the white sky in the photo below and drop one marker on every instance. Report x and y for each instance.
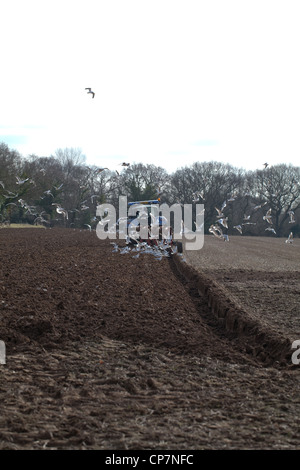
(175, 81)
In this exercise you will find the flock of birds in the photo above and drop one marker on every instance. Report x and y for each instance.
(11, 196)
(162, 248)
(222, 221)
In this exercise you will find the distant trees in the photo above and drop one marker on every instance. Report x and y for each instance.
(279, 188)
(33, 189)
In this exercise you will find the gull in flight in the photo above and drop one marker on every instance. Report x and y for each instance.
(270, 229)
(232, 197)
(292, 218)
(220, 213)
(116, 248)
(216, 231)
(223, 222)
(199, 228)
(60, 210)
(239, 228)
(48, 192)
(268, 216)
(19, 181)
(259, 206)
(290, 238)
(90, 91)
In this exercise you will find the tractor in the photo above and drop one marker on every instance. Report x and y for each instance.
(144, 209)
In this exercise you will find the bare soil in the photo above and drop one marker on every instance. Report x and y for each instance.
(106, 351)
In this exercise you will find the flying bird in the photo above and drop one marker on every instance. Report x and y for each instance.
(239, 228)
(60, 210)
(259, 206)
(90, 91)
(268, 216)
(220, 213)
(290, 238)
(270, 229)
(292, 218)
(216, 231)
(223, 221)
(19, 181)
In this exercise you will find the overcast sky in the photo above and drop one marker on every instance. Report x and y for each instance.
(175, 81)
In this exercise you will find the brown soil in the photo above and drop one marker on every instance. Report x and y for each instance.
(105, 351)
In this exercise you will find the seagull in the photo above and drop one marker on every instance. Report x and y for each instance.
(266, 164)
(268, 216)
(292, 218)
(220, 213)
(19, 181)
(216, 231)
(60, 210)
(199, 228)
(239, 228)
(290, 238)
(90, 91)
(223, 222)
(270, 229)
(260, 206)
(232, 197)
(116, 248)
(10, 195)
(48, 192)
(224, 205)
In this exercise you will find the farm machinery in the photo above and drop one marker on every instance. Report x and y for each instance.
(144, 226)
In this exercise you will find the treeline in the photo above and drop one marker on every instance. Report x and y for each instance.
(62, 190)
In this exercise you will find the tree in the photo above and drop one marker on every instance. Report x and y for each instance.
(278, 187)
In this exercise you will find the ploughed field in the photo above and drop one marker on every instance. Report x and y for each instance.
(261, 274)
(108, 351)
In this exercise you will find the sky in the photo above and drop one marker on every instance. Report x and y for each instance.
(175, 82)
